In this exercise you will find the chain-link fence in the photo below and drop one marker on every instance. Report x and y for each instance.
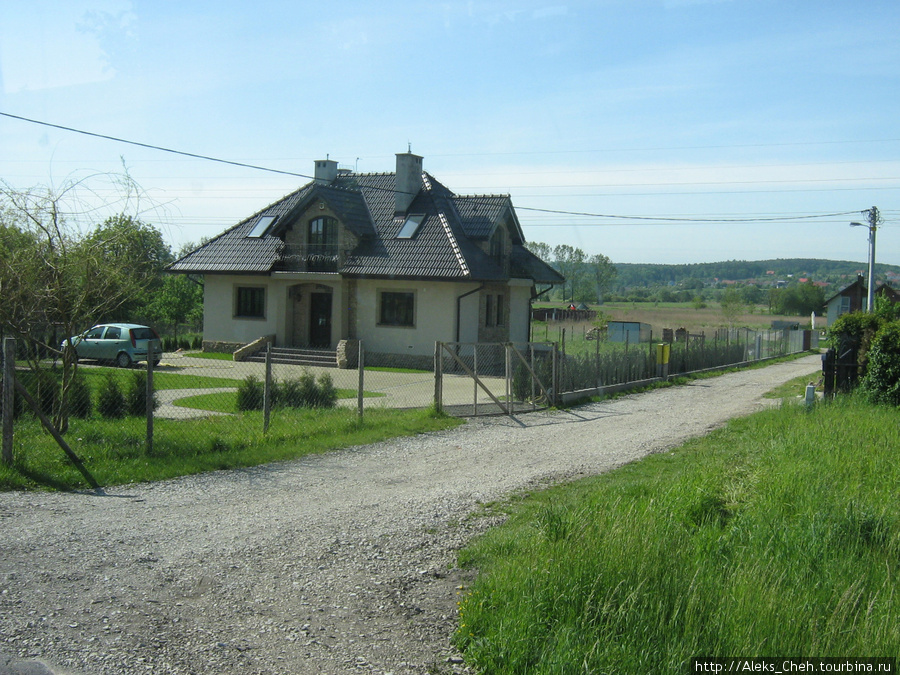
(600, 364)
(192, 402)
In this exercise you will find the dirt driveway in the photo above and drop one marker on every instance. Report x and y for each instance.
(339, 563)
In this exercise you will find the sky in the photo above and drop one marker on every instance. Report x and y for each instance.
(668, 131)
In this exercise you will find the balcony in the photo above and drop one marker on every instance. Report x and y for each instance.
(317, 258)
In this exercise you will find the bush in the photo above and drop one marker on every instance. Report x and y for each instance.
(327, 393)
(111, 401)
(136, 396)
(80, 404)
(881, 383)
(250, 394)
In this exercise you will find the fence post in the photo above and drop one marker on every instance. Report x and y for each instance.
(361, 365)
(475, 379)
(554, 376)
(9, 372)
(438, 376)
(509, 400)
(267, 388)
(148, 393)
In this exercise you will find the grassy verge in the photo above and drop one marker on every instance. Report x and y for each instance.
(778, 535)
(114, 450)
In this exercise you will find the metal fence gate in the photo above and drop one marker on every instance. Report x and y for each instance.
(473, 379)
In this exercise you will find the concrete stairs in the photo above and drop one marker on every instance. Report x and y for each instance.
(319, 358)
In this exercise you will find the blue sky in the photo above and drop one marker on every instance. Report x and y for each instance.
(719, 115)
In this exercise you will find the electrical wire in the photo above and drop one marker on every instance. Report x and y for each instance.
(518, 208)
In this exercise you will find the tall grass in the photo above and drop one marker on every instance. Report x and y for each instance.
(776, 536)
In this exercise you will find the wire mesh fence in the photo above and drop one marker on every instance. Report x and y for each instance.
(195, 402)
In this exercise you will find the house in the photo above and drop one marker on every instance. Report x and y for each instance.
(854, 298)
(394, 259)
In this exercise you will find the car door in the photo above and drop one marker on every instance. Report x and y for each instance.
(90, 345)
(109, 343)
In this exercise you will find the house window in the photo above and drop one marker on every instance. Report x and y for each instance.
(250, 302)
(410, 226)
(397, 308)
(322, 236)
(845, 305)
(493, 310)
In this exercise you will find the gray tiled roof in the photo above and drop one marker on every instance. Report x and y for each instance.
(443, 246)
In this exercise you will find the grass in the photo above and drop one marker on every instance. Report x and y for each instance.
(114, 451)
(778, 535)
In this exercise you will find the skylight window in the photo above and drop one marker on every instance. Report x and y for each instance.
(411, 226)
(261, 226)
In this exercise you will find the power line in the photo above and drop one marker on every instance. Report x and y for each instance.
(519, 208)
(155, 147)
(687, 220)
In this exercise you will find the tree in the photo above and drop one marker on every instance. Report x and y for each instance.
(604, 273)
(56, 280)
(732, 305)
(797, 299)
(567, 260)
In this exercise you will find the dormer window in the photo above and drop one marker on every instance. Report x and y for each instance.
(262, 224)
(322, 236)
(411, 226)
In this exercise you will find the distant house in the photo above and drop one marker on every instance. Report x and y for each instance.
(854, 298)
(394, 259)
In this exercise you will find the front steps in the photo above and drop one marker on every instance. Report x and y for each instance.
(319, 358)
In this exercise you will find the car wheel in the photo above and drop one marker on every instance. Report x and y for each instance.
(123, 360)
(155, 362)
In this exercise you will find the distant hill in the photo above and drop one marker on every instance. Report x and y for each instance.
(764, 272)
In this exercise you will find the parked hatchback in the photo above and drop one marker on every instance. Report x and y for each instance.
(123, 343)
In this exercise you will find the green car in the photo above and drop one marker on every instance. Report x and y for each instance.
(124, 343)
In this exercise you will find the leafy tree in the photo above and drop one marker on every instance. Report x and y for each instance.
(732, 305)
(56, 280)
(797, 299)
(603, 274)
(568, 261)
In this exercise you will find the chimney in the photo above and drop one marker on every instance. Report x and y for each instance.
(326, 170)
(409, 181)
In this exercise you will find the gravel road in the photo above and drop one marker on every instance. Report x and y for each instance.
(335, 563)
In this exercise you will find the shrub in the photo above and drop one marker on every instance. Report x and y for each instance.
(250, 394)
(80, 404)
(136, 396)
(327, 393)
(111, 401)
(881, 383)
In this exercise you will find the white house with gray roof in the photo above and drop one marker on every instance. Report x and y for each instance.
(394, 259)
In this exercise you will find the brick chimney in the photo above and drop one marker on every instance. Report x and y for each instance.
(326, 170)
(409, 181)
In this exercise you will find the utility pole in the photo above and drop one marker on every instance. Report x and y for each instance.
(873, 225)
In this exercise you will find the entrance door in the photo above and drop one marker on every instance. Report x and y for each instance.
(320, 320)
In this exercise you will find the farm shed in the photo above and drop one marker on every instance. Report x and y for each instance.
(629, 331)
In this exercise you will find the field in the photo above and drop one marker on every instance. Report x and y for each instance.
(667, 315)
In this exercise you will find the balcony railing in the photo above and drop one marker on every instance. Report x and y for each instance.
(311, 258)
